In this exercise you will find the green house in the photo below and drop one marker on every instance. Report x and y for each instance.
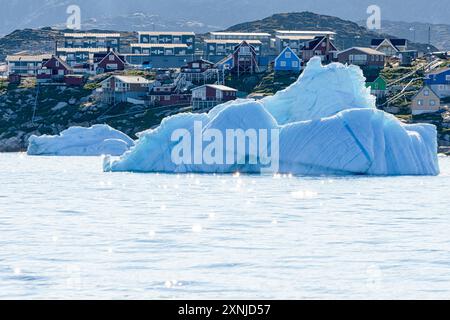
(377, 85)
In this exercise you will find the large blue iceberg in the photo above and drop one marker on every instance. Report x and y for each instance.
(79, 141)
(325, 123)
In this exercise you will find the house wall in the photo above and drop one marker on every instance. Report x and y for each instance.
(24, 68)
(111, 62)
(92, 42)
(361, 58)
(287, 61)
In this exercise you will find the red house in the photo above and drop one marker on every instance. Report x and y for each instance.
(211, 95)
(53, 70)
(321, 46)
(199, 71)
(245, 60)
(110, 61)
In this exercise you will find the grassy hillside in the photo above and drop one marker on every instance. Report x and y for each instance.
(349, 33)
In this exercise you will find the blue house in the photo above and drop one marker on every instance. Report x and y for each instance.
(288, 61)
(439, 82)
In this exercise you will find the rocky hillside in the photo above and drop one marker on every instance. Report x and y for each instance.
(44, 40)
(349, 33)
(58, 108)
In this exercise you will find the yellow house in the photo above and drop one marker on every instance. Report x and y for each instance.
(426, 101)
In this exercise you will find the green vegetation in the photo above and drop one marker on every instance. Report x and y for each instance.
(273, 82)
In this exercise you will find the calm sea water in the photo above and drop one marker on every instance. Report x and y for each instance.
(67, 230)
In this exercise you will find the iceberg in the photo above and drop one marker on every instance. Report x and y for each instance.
(79, 141)
(326, 123)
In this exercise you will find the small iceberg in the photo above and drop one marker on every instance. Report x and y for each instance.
(325, 123)
(79, 141)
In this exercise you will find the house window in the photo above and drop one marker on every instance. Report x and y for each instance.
(288, 55)
(420, 102)
(432, 103)
(111, 57)
(426, 93)
(294, 64)
(447, 77)
(283, 64)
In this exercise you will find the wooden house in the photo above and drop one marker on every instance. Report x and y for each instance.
(53, 70)
(118, 89)
(363, 57)
(377, 85)
(26, 65)
(321, 46)
(390, 47)
(439, 82)
(110, 61)
(200, 70)
(425, 101)
(211, 95)
(245, 60)
(287, 60)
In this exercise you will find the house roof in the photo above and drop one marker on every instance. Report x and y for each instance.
(365, 50)
(304, 32)
(296, 37)
(201, 61)
(131, 79)
(232, 41)
(92, 35)
(158, 45)
(217, 87)
(62, 62)
(423, 88)
(103, 56)
(439, 71)
(256, 34)
(287, 49)
(76, 50)
(394, 42)
(373, 78)
(173, 33)
(312, 45)
(30, 58)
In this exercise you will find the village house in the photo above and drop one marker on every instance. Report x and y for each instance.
(439, 82)
(297, 39)
(425, 101)
(117, 89)
(80, 57)
(377, 85)
(53, 70)
(220, 48)
(108, 62)
(92, 40)
(200, 70)
(390, 47)
(168, 95)
(364, 57)
(26, 65)
(264, 38)
(245, 60)
(166, 37)
(288, 61)
(321, 46)
(211, 95)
